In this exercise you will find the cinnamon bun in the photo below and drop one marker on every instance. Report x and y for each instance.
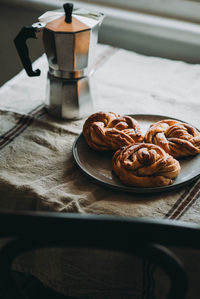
(110, 131)
(176, 138)
(145, 165)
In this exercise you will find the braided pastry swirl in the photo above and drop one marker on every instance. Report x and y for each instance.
(110, 131)
(176, 138)
(145, 165)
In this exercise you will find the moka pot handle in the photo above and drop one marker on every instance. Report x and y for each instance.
(22, 49)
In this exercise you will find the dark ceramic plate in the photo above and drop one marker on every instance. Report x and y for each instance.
(97, 165)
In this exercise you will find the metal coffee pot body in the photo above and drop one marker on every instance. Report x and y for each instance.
(70, 54)
(69, 39)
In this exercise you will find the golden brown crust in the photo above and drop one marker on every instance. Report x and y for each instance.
(145, 165)
(176, 138)
(110, 131)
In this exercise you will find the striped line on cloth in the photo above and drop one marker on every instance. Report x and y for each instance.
(41, 109)
(23, 123)
(178, 202)
(104, 56)
(186, 200)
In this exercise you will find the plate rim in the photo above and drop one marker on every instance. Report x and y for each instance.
(133, 189)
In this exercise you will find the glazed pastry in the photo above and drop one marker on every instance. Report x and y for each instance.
(176, 138)
(145, 165)
(110, 131)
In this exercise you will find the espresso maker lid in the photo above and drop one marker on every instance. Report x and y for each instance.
(70, 20)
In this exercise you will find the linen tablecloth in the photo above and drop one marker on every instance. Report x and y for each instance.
(38, 172)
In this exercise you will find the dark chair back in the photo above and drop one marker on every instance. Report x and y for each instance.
(142, 237)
